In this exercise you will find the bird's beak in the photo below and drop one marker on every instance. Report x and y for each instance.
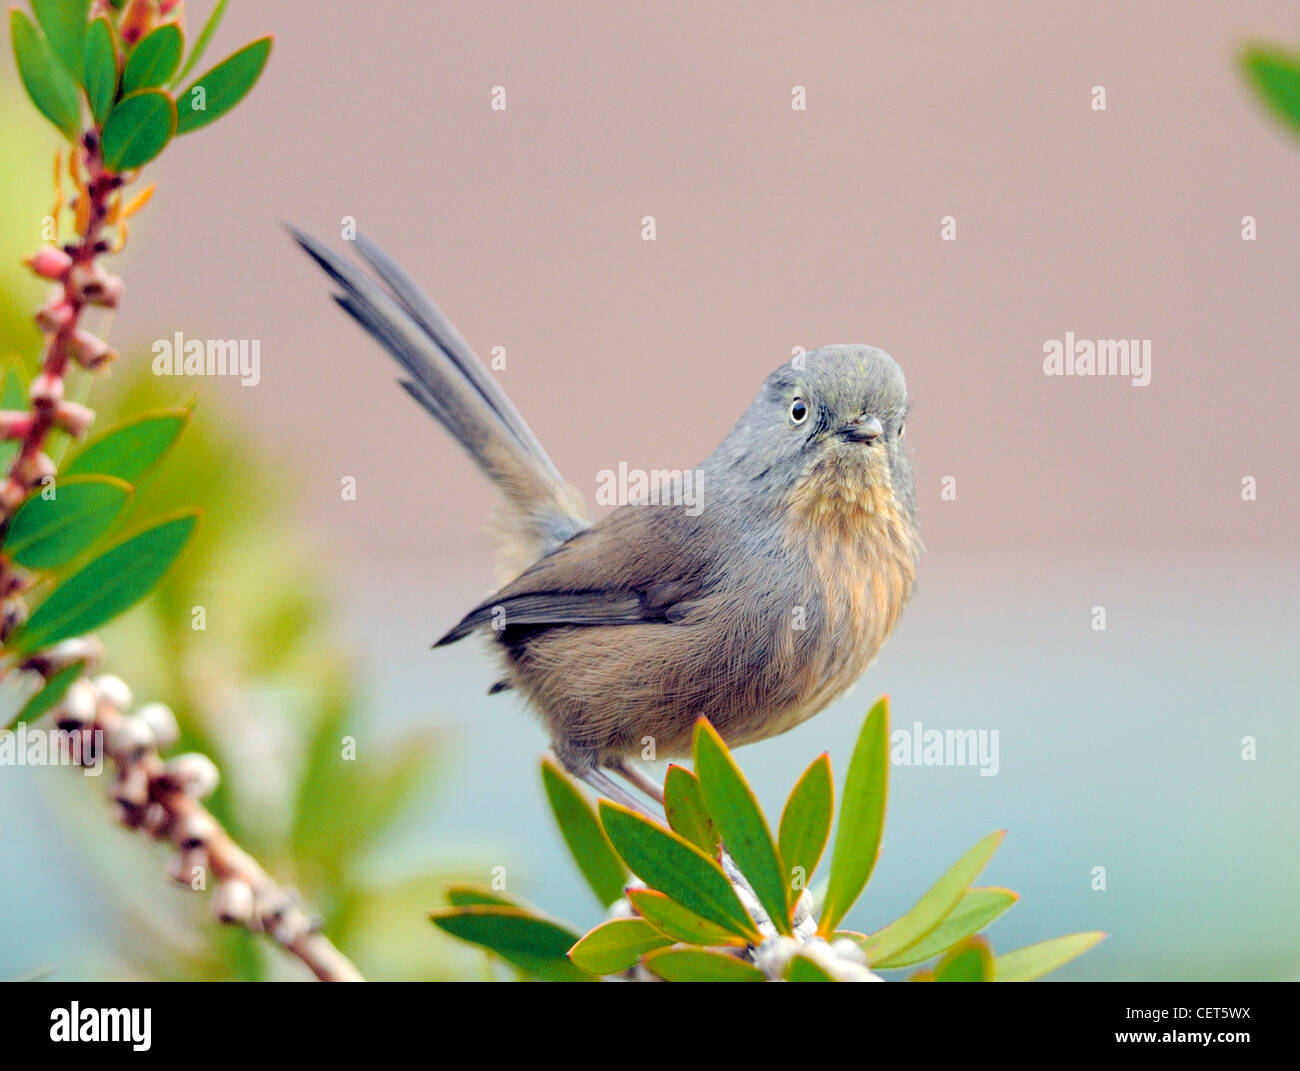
(865, 429)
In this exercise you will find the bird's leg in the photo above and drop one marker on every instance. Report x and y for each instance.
(605, 786)
(637, 778)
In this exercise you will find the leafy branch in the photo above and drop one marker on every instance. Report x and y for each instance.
(105, 74)
(716, 898)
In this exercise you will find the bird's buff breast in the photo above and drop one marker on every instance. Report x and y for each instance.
(862, 549)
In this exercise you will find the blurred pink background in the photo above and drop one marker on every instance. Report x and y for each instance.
(776, 228)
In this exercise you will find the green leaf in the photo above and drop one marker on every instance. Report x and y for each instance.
(591, 850)
(1275, 76)
(49, 696)
(535, 944)
(975, 910)
(222, 87)
(802, 969)
(806, 823)
(968, 961)
(200, 45)
(138, 129)
(345, 801)
(700, 965)
(935, 905)
(129, 450)
(1034, 961)
(48, 82)
(739, 819)
(110, 584)
(667, 862)
(100, 73)
(671, 919)
(614, 946)
(48, 532)
(686, 811)
(862, 818)
(64, 23)
(460, 895)
(13, 396)
(154, 59)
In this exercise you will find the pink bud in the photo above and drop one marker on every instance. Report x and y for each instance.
(49, 263)
(74, 418)
(54, 317)
(90, 351)
(14, 423)
(113, 290)
(12, 494)
(87, 282)
(46, 389)
(34, 469)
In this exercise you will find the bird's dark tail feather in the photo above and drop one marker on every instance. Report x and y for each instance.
(450, 382)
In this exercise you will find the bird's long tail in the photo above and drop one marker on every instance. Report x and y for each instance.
(445, 376)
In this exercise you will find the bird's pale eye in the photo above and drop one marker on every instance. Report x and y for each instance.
(798, 411)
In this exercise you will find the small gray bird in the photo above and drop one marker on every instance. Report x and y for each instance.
(755, 610)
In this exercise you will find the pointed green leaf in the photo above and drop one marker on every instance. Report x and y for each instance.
(616, 945)
(108, 585)
(216, 92)
(129, 450)
(1034, 961)
(49, 696)
(48, 532)
(700, 965)
(138, 129)
(862, 818)
(154, 59)
(671, 919)
(935, 905)
(969, 961)
(100, 74)
(740, 821)
(64, 23)
(806, 823)
(48, 82)
(1275, 76)
(201, 45)
(461, 895)
(686, 811)
(591, 850)
(975, 910)
(535, 944)
(674, 866)
(802, 969)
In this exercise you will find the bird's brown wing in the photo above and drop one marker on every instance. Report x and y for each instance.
(640, 564)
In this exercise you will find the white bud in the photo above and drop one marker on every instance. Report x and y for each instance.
(196, 831)
(76, 710)
(195, 774)
(233, 902)
(848, 949)
(85, 649)
(159, 718)
(115, 690)
(129, 738)
(773, 954)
